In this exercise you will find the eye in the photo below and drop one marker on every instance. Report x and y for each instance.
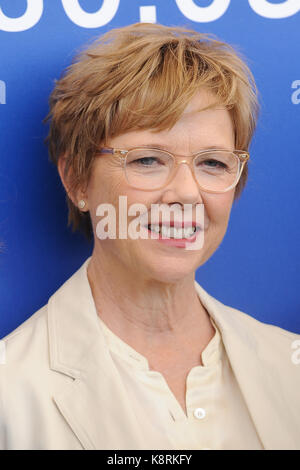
(212, 163)
(216, 163)
(146, 161)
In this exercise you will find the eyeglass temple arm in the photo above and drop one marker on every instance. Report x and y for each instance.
(112, 151)
(107, 150)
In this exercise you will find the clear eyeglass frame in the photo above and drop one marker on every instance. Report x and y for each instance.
(242, 155)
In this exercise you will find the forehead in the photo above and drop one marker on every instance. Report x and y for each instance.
(203, 124)
(201, 100)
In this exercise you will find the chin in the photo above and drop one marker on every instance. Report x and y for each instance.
(169, 277)
(169, 269)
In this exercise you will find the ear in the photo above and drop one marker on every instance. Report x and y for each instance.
(75, 196)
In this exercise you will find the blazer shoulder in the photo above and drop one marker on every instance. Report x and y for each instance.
(28, 340)
(275, 344)
(245, 336)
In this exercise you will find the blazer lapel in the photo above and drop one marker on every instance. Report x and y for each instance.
(97, 407)
(93, 401)
(264, 372)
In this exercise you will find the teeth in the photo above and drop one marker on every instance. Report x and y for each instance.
(173, 232)
(188, 232)
(155, 228)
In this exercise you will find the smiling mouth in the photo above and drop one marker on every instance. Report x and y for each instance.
(178, 233)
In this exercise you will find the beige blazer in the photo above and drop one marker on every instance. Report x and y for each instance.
(59, 388)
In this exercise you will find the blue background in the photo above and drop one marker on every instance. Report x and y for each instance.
(256, 268)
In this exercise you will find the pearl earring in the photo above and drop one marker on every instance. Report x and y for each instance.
(81, 204)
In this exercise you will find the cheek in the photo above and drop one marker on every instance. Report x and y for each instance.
(218, 207)
(104, 188)
(107, 189)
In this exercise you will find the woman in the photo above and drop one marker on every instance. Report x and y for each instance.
(131, 353)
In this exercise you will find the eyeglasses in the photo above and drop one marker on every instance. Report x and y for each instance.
(148, 169)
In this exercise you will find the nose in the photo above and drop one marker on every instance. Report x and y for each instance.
(183, 188)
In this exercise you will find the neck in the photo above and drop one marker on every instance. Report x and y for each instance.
(142, 310)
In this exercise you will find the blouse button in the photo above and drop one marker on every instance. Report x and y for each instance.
(199, 413)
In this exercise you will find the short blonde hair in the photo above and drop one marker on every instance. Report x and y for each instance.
(137, 77)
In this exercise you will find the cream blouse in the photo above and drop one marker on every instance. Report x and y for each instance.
(217, 416)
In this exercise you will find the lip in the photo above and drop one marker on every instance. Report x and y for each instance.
(176, 242)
